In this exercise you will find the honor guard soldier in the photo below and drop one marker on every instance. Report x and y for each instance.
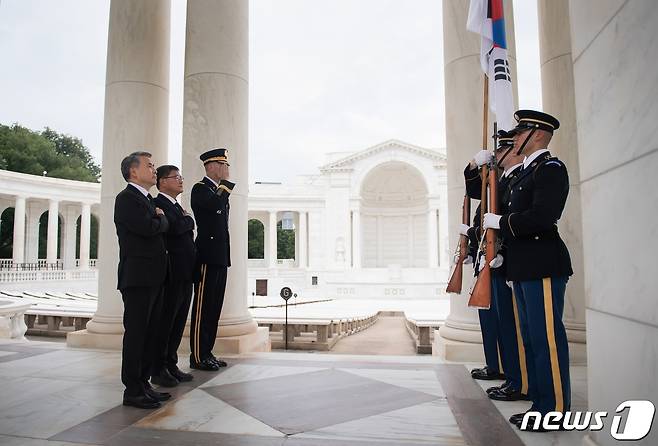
(210, 203)
(499, 325)
(538, 261)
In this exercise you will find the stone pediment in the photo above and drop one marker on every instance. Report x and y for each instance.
(393, 145)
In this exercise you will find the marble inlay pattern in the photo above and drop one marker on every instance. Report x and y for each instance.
(270, 399)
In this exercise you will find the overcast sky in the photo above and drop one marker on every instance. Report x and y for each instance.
(325, 75)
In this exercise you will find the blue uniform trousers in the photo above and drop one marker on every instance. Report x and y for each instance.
(510, 341)
(489, 329)
(540, 304)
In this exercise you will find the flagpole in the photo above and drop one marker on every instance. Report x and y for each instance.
(485, 138)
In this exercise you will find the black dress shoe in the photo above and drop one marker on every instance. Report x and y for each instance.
(486, 373)
(206, 365)
(164, 379)
(218, 361)
(502, 386)
(180, 375)
(507, 394)
(157, 396)
(140, 401)
(518, 417)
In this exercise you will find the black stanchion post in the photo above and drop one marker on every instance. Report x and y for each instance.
(286, 293)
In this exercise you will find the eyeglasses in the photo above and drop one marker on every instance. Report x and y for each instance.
(178, 177)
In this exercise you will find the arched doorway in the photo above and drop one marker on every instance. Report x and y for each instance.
(93, 237)
(394, 217)
(43, 236)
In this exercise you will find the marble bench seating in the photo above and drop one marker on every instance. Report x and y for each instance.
(55, 320)
(12, 323)
(314, 333)
(422, 331)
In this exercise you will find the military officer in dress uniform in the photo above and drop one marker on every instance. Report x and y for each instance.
(538, 261)
(210, 203)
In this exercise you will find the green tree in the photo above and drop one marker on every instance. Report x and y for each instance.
(256, 235)
(61, 156)
(285, 245)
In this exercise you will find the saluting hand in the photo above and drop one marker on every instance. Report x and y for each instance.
(159, 211)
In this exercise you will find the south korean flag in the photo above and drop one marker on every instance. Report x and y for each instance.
(501, 98)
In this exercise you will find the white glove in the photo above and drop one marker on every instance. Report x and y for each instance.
(491, 221)
(468, 260)
(496, 261)
(482, 157)
(481, 262)
(463, 229)
(509, 283)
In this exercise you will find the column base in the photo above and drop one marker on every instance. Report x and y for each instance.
(460, 351)
(257, 341)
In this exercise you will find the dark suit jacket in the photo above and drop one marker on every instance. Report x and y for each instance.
(537, 197)
(211, 207)
(142, 252)
(179, 240)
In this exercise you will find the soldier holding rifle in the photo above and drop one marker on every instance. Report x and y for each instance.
(538, 261)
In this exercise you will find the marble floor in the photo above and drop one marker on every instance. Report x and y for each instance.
(54, 395)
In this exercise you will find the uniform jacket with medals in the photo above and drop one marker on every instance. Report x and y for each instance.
(142, 251)
(179, 239)
(536, 199)
(211, 211)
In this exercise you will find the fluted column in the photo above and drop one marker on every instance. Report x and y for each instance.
(215, 114)
(19, 231)
(85, 235)
(272, 240)
(53, 239)
(68, 239)
(356, 238)
(558, 99)
(136, 118)
(302, 240)
(460, 338)
(432, 239)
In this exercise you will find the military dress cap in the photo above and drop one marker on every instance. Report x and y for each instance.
(215, 154)
(533, 119)
(505, 139)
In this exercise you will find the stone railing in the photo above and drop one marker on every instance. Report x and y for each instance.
(11, 276)
(12, 319)
(92, 263)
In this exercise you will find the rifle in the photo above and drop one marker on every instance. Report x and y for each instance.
(455, 282)
(481, 291)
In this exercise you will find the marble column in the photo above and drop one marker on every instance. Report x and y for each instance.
(432, 239)
(356, 239)
(615, 77)
(215, 114)
(558, 99)
(34, 211)
(136, 118)
(460, 339)
(19, 231)
(85, 235)
(68, 239)
(53, 236)
(303, 238)
(272, 240)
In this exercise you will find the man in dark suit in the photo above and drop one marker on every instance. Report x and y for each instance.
(210, 203)
(538, 261)
(140, 227)
(179, 240)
